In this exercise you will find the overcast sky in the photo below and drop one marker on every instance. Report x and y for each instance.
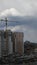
(24, 11)
(25, 7)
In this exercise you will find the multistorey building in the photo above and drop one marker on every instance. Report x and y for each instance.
(11, 42)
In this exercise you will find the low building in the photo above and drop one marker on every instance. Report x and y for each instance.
(35, 51)
(29, 48)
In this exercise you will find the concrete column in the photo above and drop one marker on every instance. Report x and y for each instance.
(10, 44)
(2, 43)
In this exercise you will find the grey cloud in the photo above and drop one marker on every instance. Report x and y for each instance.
(26, 21)
(29, 33)
(26, 7)
(28, 25)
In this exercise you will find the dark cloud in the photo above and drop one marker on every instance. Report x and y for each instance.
(27, 21)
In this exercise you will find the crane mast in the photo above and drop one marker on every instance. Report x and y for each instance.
(6, 51)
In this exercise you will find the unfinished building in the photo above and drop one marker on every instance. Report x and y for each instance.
(11, 42)
(18, 45)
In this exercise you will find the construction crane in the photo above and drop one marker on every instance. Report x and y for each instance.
(6, 51)
(6, 20)
(6, 35)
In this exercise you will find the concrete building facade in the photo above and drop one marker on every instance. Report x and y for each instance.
(5, 43)
(19, 44)
(11, 42)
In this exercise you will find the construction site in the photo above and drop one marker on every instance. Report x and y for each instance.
(11, 43)
(12, 48)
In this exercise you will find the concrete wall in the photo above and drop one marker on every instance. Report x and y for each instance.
(10, 43)
(3, 44)
(19, 44)
(6, 43)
